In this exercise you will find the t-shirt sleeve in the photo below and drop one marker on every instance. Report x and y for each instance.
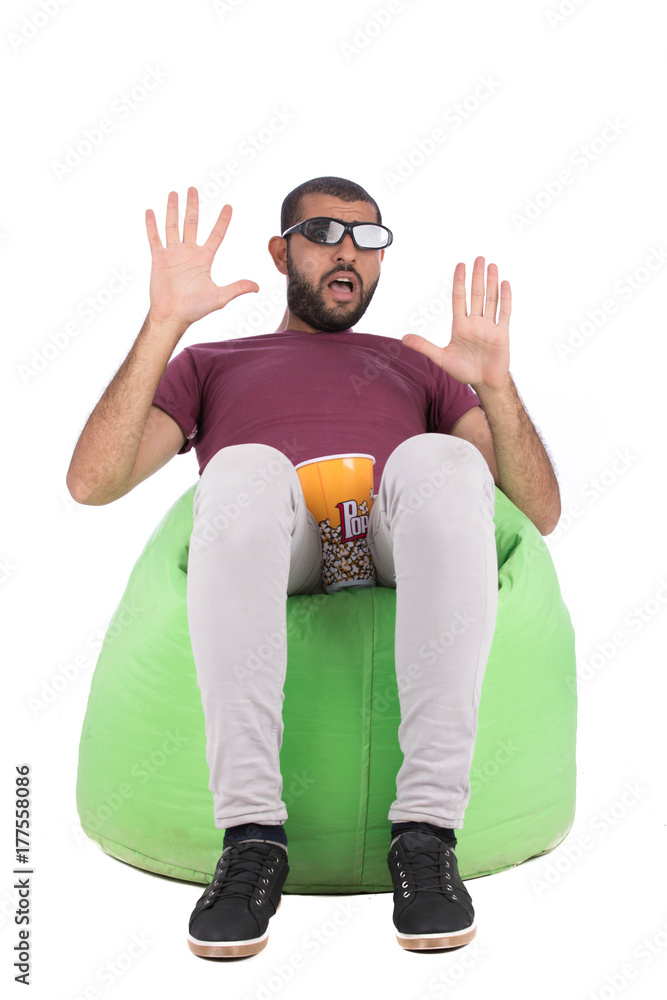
(451, 399)
(179, 394)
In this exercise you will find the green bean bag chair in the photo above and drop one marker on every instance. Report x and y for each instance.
(142, 784)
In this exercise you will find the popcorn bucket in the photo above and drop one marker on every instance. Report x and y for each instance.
(338, 490)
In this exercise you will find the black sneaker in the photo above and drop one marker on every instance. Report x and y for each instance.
(231, 918)
(432, 907)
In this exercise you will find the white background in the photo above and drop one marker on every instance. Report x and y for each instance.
(360, 97)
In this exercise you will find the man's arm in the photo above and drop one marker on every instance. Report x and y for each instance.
(125, 439)
(102, 468)
(520, 466)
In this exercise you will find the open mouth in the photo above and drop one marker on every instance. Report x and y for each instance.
(342, 288)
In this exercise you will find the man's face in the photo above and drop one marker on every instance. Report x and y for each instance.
(311, 268)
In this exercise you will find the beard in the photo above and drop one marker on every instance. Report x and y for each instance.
(307, 301)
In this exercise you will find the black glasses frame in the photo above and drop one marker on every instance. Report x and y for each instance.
(348, 227)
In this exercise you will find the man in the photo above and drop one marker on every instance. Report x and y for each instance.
(253, 407)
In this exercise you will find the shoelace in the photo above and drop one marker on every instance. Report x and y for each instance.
(242, 870)
(439, 870)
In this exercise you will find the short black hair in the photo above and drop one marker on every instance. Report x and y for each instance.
(339, 187)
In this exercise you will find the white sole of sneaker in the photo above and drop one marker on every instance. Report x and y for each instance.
(450, 939)
(229, 949)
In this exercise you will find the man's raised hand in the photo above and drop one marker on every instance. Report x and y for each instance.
(478, 353)
(181, 288)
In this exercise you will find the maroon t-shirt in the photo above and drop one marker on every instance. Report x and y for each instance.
(309, 394)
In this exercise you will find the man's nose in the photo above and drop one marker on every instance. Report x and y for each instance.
(346, 250)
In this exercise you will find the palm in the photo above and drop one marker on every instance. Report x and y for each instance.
(476, 343)
(478, 352)
(181, 287)
(181, 282)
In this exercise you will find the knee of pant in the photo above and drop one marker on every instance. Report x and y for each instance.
(429, 460)
(250, 468)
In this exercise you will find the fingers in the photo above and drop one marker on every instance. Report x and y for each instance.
(151, 229)
(228, 292)
(190, 223)
(192, 219)
(491, 291)
(171, 228)
(505, 303)
(477, 305)
(219, 229)
(477, 288)
(423, 346)
(459, 291)
(191, 216)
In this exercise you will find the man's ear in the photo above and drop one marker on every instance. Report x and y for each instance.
(278, 251)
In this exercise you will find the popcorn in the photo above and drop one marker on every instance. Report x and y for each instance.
(345, 560)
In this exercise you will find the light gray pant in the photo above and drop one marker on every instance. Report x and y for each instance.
(432, 537)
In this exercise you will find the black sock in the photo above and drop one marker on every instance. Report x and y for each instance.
(438, 830)
(255, 831)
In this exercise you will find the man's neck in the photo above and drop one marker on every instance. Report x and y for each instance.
(292, 322)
